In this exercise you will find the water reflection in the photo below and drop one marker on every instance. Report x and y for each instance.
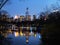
(24, 37)
(16, 34)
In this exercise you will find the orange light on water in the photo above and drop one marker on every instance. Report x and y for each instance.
(16, 34)
(34, 35)
(21, 34)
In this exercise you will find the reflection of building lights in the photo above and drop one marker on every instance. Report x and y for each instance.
(35, 35)
(21, 34)
(16, 34)
(27, 41)
(4, 34)
(39, 36)
(31, 33)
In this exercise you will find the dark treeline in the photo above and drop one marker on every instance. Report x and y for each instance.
(50, 35)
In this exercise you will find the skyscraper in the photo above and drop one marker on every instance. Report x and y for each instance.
(22, 18)
(34, 17)
(28, 17)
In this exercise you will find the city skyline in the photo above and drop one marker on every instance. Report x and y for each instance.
(14, 7)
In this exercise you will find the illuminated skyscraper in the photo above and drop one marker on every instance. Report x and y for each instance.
(28, 17)
(22, 18)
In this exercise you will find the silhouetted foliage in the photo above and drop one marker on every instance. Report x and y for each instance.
(52, 27)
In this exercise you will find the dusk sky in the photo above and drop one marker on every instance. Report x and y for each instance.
(14, 7)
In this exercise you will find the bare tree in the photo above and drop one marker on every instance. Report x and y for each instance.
(2, 3)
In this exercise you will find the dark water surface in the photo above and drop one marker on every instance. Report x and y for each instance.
(21, 40)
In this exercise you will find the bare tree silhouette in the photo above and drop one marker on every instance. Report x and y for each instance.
(3, 2)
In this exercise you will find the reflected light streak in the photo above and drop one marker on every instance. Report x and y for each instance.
(31, 33)
(4, 34)
(21, 34)
(16, 34)
(34, 35)
(40, 37)
(27, 41)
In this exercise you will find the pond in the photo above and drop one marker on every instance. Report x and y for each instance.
(22, 38)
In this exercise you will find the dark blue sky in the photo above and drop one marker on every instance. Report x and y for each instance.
(14, 7)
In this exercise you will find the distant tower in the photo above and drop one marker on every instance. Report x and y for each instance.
(27, 12)
(28, 17)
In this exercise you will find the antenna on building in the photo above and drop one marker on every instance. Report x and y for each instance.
(27, 11)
